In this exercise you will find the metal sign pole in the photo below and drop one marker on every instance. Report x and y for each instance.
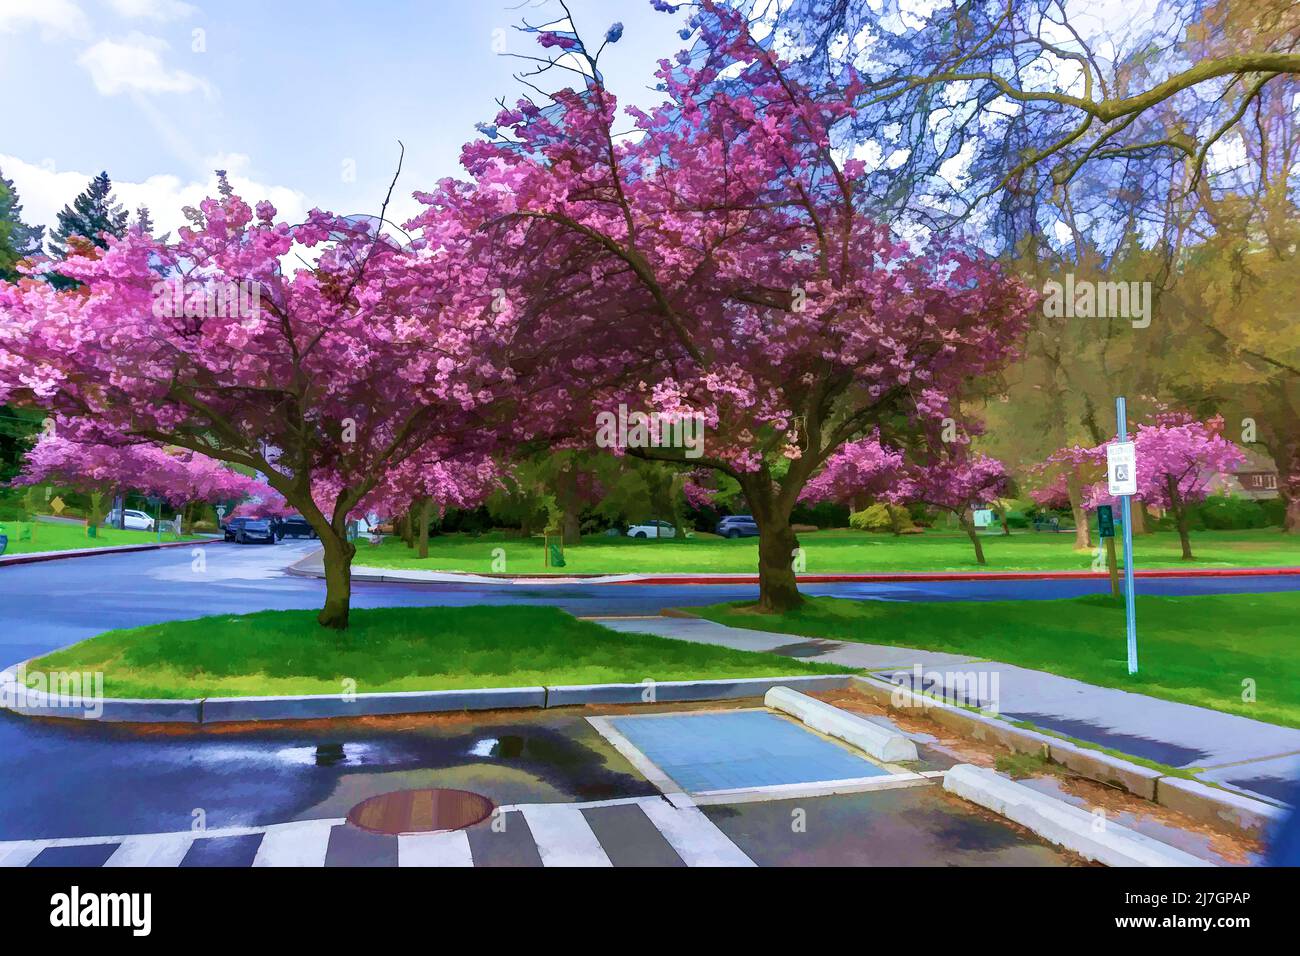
(1126, 504)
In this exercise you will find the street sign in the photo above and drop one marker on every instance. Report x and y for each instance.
(1121, 469)
(1105, 521)
(221, 511)
(1121, 477)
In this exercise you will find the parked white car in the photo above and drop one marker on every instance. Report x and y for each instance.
(652, 529)
(135, 520)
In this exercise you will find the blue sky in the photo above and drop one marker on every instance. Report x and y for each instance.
(303, 102)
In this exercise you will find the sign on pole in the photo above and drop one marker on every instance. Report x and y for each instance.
(1121, 480)
(1121, 467)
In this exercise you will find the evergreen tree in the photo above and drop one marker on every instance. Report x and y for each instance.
(95, 212)
(17, 239)
(144, 221)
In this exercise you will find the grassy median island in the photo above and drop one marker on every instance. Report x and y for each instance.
(58, 536)
(831, 551)
(395, 649)
(1195, 650)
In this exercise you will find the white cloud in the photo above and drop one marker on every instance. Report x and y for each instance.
(44, 191)
(153, 9)
(55, 18)
(135, 64)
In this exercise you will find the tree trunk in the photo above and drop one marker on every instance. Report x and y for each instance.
(1139, 514)
(338, 580)
(968, 526)
(426, 515)
(1082, 533)
(778, 589)
(1288, 485)
(407, 530)
(1179, 508)
(570, 527)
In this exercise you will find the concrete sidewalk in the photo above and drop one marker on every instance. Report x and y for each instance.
(1253, 757)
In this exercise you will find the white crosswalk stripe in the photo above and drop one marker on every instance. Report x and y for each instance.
(154, 849)
(563, 836)
(21, 853)
(695, 838)
(450, 848)
(295, 844)
(560, 832)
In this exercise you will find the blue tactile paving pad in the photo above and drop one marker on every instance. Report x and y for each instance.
(725, 751)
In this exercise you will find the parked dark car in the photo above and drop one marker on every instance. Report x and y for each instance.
(738, 526)
(250, 530)
(294, 526)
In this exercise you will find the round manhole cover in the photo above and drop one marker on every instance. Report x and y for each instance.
(420, 811)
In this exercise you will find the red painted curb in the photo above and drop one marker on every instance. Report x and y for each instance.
(39, 556)
(973, 576)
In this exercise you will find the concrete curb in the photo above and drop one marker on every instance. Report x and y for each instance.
(217, 710)
(1219, 807)
(213, 710)
(38, 556)
(667, 692)
(1244, 815)
(883, 744)
(1061, 823)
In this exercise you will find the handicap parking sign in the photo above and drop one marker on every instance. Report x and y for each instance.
(1121, 468)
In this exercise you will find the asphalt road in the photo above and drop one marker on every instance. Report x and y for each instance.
(65, 779)
(52, 604)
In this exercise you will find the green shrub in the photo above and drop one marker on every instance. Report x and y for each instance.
(1274, 512)
(1231, 513)
(881, 517)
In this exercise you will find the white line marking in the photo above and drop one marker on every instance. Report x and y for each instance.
(197, 834)
(695, 837)
(155, 849)
(20, 853)
(822, 788)
(448, 848)
(563, 836)
(295, 844)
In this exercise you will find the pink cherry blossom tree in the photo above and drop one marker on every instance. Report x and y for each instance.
(718, 263)
(178, 476)
(956, 480)
(1178, 461)
(323, 375)
(1063, 480)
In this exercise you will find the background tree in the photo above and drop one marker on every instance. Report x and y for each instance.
(95, 214)
(340, 372)
(1179, 460)
(727, 250)
(17, 239)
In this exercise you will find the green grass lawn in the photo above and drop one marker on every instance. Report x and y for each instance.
(1197, 650)
(833, 551)
(395, 649)
(51, 536)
